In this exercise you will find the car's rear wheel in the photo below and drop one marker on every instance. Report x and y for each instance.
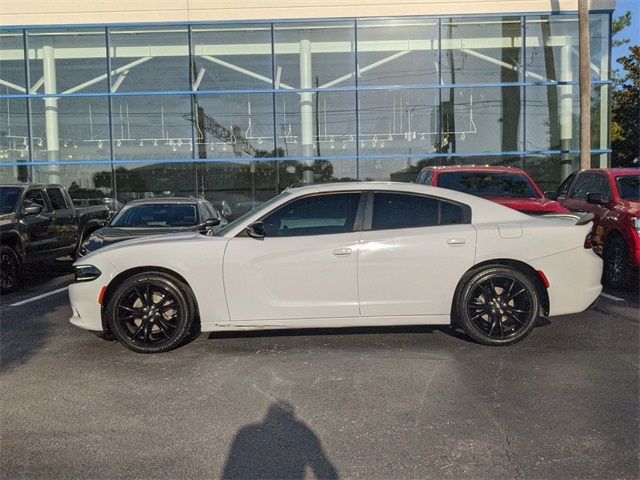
(616, 263)
(497, 306)
(151, 312)
(10, 269)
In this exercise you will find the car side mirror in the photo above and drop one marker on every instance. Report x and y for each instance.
(32, 210)
(256, 230)
(551, 195)
(209, 223)
(597, 199)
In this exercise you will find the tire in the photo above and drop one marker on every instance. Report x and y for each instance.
(151, 312)
(616, 272)
(10, 269)
(497, 305)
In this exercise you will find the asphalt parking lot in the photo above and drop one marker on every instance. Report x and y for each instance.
(360, 403)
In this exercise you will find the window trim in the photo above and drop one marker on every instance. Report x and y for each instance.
(357, 222)
(368, 223)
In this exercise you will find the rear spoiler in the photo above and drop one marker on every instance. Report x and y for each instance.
(579, 218)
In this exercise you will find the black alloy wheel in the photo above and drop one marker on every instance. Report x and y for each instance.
(616, 263)
(10, 269)
(151, 313)
(498, 306)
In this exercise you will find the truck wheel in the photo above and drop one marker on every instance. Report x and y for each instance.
(10, 269)
(616, 263)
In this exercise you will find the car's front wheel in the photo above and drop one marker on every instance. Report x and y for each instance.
(151, 312)
(10, 269)
(497, 306)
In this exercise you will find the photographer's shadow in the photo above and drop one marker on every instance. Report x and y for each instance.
(280, 447)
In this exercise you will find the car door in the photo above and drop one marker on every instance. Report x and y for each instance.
(39, 227)
(413, 251)
(304, 267)
(64, 220)
(576, 201)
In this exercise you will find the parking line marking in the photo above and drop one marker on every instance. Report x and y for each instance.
(611, 297)
(39, 297)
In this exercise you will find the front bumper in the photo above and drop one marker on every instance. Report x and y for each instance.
(87, 312)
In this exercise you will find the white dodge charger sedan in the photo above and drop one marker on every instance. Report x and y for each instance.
(344, 255)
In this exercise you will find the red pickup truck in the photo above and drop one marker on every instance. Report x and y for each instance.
(507, 186)
(613, 196)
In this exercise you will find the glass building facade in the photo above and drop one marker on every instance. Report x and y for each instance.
(238, 112)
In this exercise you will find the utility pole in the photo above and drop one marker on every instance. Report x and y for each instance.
(585, 84)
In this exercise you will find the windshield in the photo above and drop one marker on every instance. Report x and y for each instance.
(8, 199)
(230, 226)
(487, 184)
(629, 187)
(156, 215)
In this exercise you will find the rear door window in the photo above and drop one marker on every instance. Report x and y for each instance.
(398, 210)
(56, 197)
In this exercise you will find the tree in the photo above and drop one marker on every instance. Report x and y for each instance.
(625, 111)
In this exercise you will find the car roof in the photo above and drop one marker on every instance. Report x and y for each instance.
(474, 168)
(176, 200)
(619, 171)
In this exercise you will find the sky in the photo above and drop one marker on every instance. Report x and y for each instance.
(632, 32)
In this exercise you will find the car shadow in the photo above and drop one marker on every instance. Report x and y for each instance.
(281, 446)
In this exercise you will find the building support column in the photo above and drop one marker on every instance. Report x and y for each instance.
(567, 162)
(306, 109)
(51, 113)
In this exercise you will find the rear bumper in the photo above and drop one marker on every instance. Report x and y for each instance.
(574, 280)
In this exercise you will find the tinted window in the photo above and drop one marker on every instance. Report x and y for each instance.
(486, 184)
(35, 197)
(57, 199)
(629, 187)
(8, 198)
(156, 215)
(394, 210)
(581, 188)
(315, 215)
(600, 184)
(563, 191)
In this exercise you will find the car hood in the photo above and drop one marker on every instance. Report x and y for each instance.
(110, 235)
(530, 205)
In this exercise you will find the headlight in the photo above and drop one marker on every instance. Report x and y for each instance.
(636, 223)
(86, 273)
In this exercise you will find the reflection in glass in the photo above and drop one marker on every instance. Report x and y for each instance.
(14, 134)
(144, 59)
(328, 130)
(400, 121)
(79, 130)
(152, 127)
(12, 64)
(234, 126)
(232, 57)
(398, 52)
(481, 120)
(552, 48)
(67, 61)
(86, 184)
(481, 50)
(323, 52)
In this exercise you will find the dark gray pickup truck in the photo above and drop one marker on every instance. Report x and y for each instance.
(39, 222)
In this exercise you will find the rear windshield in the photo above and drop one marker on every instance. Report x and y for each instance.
(156, 215)
(8, 199)
(629, 187)
(486, 184)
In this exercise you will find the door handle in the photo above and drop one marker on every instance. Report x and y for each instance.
(341, 252)
(456, 241)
